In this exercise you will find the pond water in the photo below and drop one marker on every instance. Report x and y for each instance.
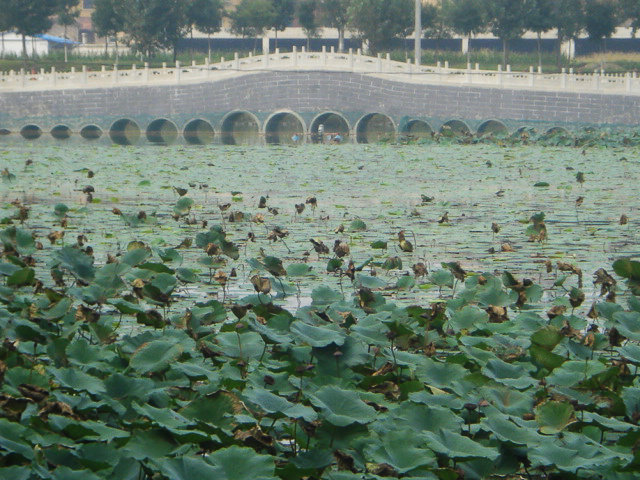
(389, 188)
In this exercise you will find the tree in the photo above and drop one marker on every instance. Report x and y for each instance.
(435, 24)
(540, 20)
(378, 22)
(630, 9)
(284, 11)
(307, 19)
(466, 17)
(507, 21)
(601, 20)
(108, 20)
(252, 18)
(335, 14)
(155, 24)
(67, 12)
(568, 19)
(206, 16)
(29, 17)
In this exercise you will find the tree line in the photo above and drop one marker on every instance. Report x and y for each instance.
(150, 25)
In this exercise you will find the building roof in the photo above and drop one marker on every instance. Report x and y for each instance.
(54, 39)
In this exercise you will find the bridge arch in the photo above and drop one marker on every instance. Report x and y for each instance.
(240, 127)
(4, 132)
(334, 122)
(375, 127)
(492, 127)
(455, 128)
(417, 129)
(91, 132)
(31, 132)
(162, 131)
(198, 132)
(124, 132)
(558, 131)
(281, 126)
(61, 132)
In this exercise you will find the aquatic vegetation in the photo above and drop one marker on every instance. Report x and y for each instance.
(173, 345)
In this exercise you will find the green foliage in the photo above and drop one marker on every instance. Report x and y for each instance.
(252, 17)
(380, 21)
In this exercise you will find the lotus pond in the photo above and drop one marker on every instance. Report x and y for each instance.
(358, 311)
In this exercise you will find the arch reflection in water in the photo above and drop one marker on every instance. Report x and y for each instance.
(417, 130)
(375, 127)
(162, 131)
(61, 132)
(31, 132)
(91, 132)
(455, 128)
(284, 128)
(332, 123)
(124, 132)
(240, 128)
(490, 127)
(198, 132)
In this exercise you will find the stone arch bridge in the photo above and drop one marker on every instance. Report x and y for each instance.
(272, 98)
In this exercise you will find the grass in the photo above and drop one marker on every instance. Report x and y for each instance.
(613, 62)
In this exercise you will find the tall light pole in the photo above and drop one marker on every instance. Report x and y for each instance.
(418, 33)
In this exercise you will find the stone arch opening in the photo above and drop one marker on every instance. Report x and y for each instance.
(31, 132)
(240, 128)
(375, 127)
(492, 127)
(283, 127)
(557, 131)
(61, 132)
(4, 132)
(333, 123)
(455, 128)
(91, 132)
(198, 132)
(162, 131)
(417, 130)
(124, 132)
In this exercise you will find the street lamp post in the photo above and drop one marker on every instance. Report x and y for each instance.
(418, 33)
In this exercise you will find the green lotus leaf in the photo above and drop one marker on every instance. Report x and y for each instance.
(403, 452)
(240, 463)
(454, 445)
(76, 262)
(342, 407)
(317, 336)
(553, 417)
(155, 356)
(298, 269)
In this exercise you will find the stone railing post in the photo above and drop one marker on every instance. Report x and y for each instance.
(178, 71)
(267, 58)
(352, 59)
(114, 74)
(54, 76)
(388, 62)
(532, 77)
(468, 73)
(85, 75)
(294, 56)
(499, 75)
(409, 66)
(563, 78)
(236, 59)
(379, 63)
(23, 77)
(324, 55)
(146, 72)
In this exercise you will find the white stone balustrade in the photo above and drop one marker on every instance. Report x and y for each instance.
(330, 61)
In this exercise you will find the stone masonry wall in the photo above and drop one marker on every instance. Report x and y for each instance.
(309, 93)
